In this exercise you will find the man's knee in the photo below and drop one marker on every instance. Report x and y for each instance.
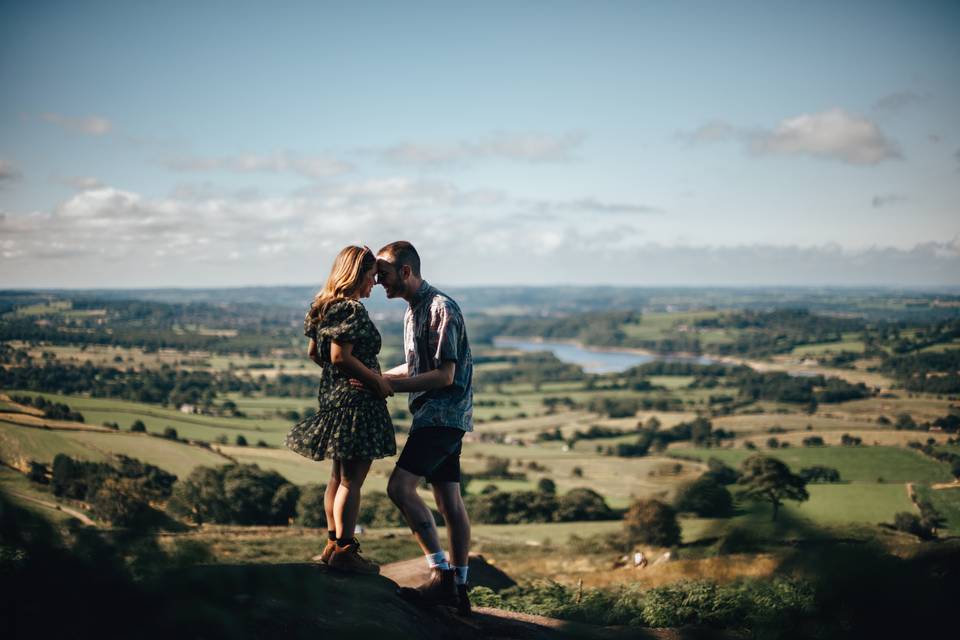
(398, 490)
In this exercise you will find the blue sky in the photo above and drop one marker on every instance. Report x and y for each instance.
(216, 143)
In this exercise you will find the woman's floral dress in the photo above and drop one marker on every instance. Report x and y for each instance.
(350, 423)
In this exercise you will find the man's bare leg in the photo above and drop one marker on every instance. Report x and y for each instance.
(402, 489)
(450, 503)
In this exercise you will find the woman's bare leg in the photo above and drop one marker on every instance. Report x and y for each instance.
(346, 504)
(330, 494)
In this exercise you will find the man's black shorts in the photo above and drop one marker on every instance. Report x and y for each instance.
(433, 453)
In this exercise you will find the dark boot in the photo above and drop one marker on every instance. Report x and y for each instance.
(438, 589)
(463, 600)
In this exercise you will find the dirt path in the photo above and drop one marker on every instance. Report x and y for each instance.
(79, 515)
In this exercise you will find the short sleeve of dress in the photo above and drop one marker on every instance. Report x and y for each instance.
(343, 322)
(309, 327)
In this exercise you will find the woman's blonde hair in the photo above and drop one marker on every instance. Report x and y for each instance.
(345, 277)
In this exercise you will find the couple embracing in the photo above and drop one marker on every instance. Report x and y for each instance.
(352, 426)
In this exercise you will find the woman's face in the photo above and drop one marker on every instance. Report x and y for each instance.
(366, 284)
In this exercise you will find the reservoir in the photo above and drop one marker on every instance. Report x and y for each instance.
(594, 359)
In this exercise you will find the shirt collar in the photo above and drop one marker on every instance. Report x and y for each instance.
(421, 294)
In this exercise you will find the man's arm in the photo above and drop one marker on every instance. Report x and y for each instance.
(399, 371)
(436, 379)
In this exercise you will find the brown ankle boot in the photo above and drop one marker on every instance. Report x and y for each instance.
(324, 556)
(438, 589)
(348, 559)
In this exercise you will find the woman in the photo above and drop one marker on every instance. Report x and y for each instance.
(352, 425)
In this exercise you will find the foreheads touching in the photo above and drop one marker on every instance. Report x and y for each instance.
(398, 268)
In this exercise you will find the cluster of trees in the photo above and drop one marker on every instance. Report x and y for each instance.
(778, 386)
(778, 331)
(52, 410)
(166, 385)
(819, 473)
(235, 494)
(929, 372)
(498, 468)
(698, 431)
(536, 368)
(119, 491)
(500, 507)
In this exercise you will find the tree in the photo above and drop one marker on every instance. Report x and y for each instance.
(546, 485)
(170, 433)
(241, 441)
(652, 522)
(769, 479)
(705, 497)
(819, 473)
(582, 504)
(138, 427)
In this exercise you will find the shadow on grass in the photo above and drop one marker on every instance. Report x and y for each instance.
(862, 588)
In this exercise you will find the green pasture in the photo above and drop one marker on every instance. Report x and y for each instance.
(22, 444)
(849, 342)
(671, 382)
(96, 411)
(855, 464)
(656, 326)
(921, 407)
(946, 501)
(944, 346)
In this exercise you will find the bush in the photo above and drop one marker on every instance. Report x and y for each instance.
(138, 427)
(310, 511)
(911, 523)
(705, 497)
(241, 441)
(813, 441)
(546, 485)
(170, 433)
(652, 522)
(583, 504)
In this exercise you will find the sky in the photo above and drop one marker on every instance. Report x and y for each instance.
(148, 144)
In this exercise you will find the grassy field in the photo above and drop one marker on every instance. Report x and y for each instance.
(946, 501)
(850, 342)
(855, 464)
(96, 411)
(21, 444)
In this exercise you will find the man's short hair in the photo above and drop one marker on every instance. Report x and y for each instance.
(402, 253)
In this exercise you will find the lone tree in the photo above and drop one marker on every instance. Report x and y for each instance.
(766, 478)
(652, 522)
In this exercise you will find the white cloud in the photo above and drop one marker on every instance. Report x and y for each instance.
(314, 167)
(521, 147)
(834, 134)
(8, 172)
(89, 125)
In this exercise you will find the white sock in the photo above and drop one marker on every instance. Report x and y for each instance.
(460, 574)
(437, 559)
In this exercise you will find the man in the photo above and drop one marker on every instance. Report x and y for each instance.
(438, 375)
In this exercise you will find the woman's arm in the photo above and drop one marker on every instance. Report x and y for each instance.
(312, 352)
(341, 355)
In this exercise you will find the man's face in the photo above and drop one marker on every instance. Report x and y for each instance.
(389, 277)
